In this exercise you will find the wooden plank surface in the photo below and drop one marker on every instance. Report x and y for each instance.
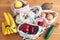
(5, 6)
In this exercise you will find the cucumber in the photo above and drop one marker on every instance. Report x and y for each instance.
(49, 32)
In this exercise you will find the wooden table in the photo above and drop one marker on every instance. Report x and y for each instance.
(5, 6)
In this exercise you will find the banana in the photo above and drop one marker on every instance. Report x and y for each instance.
(6, 18)
(14, 29)
(8, 32)
(3, 27)
(5, 32)
(13, 25)
(11, 20)
(11, 30)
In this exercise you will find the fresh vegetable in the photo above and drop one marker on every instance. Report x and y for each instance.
(41, 23)
(18, 4)
(24, 28)
(34, 29)
(43, 14)
(49, 16)
(49, 32)
(27, 28)
(47, 6)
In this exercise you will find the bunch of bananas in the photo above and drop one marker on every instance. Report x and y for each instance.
(8, 26)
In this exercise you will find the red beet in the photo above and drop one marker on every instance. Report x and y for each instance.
(24, 27)
(33, 29)
(30, 29)
(41, 23)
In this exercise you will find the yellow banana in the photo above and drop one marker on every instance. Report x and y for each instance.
(14, 29)
(13, 25)
(5, 32)
(6, 18)
(3, 27)
(11, 31)
(8, 32)
(11, 20)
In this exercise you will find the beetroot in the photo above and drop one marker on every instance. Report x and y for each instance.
(30, 29)
(41, 23)
(24, 27)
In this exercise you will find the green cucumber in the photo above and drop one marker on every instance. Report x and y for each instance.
(49, 32)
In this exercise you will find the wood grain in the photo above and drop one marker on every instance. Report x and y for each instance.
(5, 6)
